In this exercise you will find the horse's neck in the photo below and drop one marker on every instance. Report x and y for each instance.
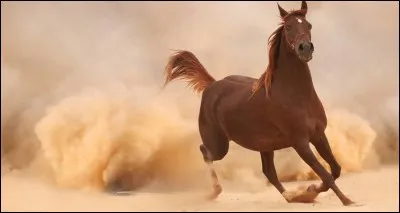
(292, 77)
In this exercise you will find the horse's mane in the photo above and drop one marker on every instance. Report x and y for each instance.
(274, 41)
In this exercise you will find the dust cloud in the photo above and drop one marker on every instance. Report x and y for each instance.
(98, 137)
(82, 104)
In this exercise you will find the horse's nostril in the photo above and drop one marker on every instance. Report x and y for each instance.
(301, 47)
(311, 46)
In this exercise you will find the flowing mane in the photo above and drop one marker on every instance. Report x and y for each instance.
(274, 41)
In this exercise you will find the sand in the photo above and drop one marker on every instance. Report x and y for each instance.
(374, 190)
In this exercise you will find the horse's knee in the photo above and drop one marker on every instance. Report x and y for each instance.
(336, 170)
(326, 177)
(328, 180)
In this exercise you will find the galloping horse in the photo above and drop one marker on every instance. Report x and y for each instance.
(281, 109)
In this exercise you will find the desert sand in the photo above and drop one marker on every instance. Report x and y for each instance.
(375, 190)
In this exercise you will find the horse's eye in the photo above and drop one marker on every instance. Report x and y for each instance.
(309, 26)
(288, 27)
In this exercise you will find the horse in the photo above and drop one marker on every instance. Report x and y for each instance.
(281, 109)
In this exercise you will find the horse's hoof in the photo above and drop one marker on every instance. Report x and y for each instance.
(212, 196)
(217, 190)
(301, 196)
(312, 188)
(351, 203)
(305, 197)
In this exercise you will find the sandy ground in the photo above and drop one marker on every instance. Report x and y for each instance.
(376, 190)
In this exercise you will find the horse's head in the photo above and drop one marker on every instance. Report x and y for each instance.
(297, 32)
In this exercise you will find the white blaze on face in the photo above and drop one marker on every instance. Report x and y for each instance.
(299, 20)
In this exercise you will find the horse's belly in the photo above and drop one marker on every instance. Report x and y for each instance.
(267, 136)
(261, 141)
(263, 146)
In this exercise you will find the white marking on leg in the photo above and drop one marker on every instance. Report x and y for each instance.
(217, 189)
(213, 174)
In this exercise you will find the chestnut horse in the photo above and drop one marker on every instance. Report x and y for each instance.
(281, 109)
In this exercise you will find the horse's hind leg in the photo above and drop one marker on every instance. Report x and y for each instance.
(217, 189)
(268, 168)
(305, 152)
(214, 148)
(323, 148)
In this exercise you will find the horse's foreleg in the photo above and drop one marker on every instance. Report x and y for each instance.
(324, 150)
(305, 152)
(217, 189)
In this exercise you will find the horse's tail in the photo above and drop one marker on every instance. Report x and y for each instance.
(184, 65)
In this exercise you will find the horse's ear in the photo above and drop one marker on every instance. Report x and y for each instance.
(304, 6)
(282, 12)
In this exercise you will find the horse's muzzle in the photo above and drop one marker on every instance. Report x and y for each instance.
(305, 50)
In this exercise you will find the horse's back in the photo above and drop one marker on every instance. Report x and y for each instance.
(239, 79)
(231, 87)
